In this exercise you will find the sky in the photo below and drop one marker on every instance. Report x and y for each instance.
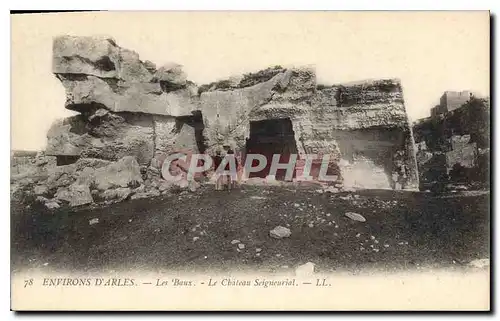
(430, 52)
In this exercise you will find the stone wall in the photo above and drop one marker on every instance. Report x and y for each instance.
(362, 125)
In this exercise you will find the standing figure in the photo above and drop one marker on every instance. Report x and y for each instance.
(403, 176)
(217, 160)
(399, 174)
(233, 177)
(227, 181)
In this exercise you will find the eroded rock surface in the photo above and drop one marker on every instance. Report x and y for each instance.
(133, 114)
(362, 126)
(104, 135)
(96, 71)
(75, 195)
(124, 173)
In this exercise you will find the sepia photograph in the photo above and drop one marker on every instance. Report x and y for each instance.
(272, 160)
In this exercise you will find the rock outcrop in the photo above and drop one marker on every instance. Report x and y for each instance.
(103, 134)
(124, 173)
(362, 126)
(86, 181)
(454, 147)
(75, 195)
(133, 114)
(123, 103)
(97, 72)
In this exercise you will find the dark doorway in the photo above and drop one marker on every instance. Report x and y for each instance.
(195, 121)
(268, 137)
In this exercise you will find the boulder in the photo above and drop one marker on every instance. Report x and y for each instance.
(81, 172)
(165, 186)
(86, 176)
(41, 199)
(116, 195)
(34, 166)
(63, 138)
(103, 135)
(355, 216)
(331, 189)
(182, 183)
(75, 195)
(52, 205)
(305, 270)
(146, 194)
(123, 173)
(150, 66)
(193, 185)
(41, 190)
(280, 232)
(95, 71)
(171, 76)
(62, 176)
(48, 203)
(463, 155)
(480, 263)
(97, 56)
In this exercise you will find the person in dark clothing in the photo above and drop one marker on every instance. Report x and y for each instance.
(231, 183)
(217, 160)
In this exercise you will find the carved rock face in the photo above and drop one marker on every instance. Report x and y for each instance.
(131, 108)
(108, 136)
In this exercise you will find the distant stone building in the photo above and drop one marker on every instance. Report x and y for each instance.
(454, 147)
(450, 100)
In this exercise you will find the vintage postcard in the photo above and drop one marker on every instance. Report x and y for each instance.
(322, 160)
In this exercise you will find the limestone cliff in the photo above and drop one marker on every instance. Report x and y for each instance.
(130, 108)
(97, 72)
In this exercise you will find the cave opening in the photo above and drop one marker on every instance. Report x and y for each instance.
(268, 137)
(62, 160)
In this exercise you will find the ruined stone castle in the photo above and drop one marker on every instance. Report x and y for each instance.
(454, 146)
(129, 107)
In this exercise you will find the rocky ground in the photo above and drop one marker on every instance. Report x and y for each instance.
(223, 230)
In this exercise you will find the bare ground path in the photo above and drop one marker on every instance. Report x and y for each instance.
(193, 231)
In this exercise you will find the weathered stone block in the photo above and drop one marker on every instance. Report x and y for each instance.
(95, 71)
(75, 195)
(97, 56)
(123, 173)
(104, 135)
